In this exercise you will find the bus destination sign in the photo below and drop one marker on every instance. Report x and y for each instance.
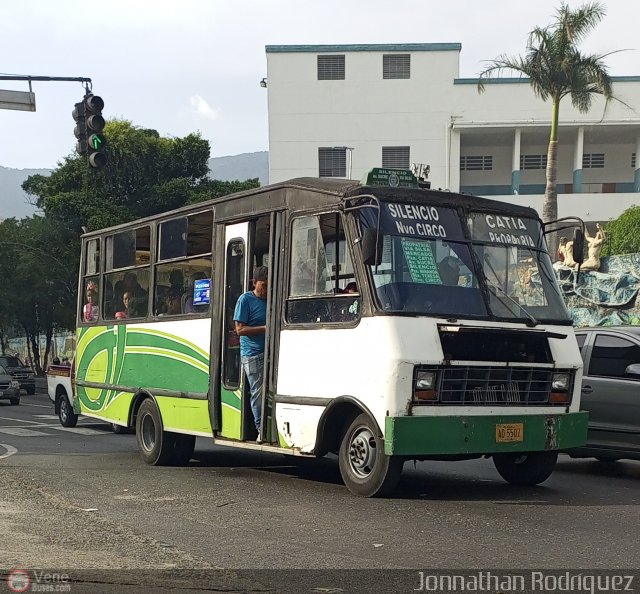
(390, 178)
(495, 228)
(421, 221)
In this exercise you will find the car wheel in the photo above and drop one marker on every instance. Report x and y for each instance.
(366, 470)
(14, 401)
(67, 417)
(31, 390)
(525, 468)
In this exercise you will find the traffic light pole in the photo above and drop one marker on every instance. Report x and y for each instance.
(47, 78)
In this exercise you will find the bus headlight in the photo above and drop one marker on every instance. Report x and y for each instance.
(424, 388)
(560, 382)
(560, 385)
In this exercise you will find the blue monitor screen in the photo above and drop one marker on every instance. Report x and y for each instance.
(202, 291)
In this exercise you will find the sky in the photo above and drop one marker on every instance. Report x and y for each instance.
(182, 66)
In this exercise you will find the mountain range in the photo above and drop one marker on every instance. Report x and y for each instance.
(15, 203)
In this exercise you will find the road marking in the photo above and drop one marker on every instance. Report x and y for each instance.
(81, 430)
(45, 416)
(19, 432)
(21, 420)
(10, 450)
(23, 403)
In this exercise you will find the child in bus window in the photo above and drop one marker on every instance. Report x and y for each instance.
(90, 310)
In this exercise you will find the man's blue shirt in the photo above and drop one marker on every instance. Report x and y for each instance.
(252, 311)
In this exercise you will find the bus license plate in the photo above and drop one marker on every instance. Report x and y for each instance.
(508, 432)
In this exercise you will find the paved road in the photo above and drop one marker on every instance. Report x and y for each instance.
(82, 498)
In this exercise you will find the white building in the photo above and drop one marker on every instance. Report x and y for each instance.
(339, 110)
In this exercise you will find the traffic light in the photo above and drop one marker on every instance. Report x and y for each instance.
(80, 131)
(89, 126)
(95, 140)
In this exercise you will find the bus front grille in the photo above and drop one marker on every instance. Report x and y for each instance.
(491, 386)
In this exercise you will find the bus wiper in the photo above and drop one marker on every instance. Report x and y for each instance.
(532, 320)
(525, 311)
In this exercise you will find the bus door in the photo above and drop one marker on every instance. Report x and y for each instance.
(235, 281)
(247, 245)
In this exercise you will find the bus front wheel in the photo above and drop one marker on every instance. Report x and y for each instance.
(366, 470)
(525, 468)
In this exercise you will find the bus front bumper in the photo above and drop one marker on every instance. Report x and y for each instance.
(488, 434)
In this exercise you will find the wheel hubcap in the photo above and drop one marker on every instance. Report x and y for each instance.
(63, 411)
(148, 433)
(363, 452)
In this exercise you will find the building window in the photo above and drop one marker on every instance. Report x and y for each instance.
(330, 67)
(476, 162)
(533, 161)
(396, 66)
(332, 162)
(593, 161)
(633, 160)
(395, 157)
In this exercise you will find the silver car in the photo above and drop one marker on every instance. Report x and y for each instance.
(611, 392)
(9, 387)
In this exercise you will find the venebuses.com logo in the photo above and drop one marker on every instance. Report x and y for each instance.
(20, 580)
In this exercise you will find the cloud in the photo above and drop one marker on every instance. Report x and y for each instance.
(202, 108)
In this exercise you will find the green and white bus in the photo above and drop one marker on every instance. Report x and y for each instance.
(455, 345)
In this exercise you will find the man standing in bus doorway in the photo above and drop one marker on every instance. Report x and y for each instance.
(250, 318)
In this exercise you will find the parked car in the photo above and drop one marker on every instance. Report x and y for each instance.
(20, 372)
(9, 387)
(611, 392)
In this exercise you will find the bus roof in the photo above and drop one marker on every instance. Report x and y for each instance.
(342, 189)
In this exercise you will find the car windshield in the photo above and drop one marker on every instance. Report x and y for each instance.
(429, 266)
(10, 362)
(3, 371)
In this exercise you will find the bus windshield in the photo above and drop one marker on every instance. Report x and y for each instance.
(430, 265)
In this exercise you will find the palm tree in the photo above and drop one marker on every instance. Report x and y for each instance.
(556, 68)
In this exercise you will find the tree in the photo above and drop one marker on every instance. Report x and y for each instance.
(556, 68)
(37, 286)
(623, 234)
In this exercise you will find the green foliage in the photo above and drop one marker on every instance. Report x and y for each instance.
(623, 234)
(37, 282)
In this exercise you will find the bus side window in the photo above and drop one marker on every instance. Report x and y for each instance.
(320, 272)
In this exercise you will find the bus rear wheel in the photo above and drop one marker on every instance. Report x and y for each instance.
(366, 470)
(158, 447)
(525, 468)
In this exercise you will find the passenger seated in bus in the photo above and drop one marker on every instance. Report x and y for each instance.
(352, 287)
(90, 310)
(127, 301)
(449, 270)
(131, 285)
(172, 303)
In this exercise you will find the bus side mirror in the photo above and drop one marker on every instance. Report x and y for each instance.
(372, 247)
(578, 246)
